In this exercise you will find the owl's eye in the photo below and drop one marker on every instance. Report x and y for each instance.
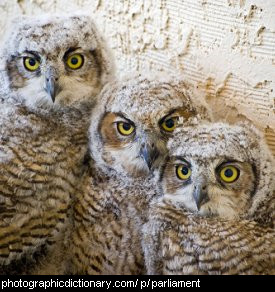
(125, 128)
(183, 172)
(31, 64)
(169, 125)
(229, 174)
(75, 61)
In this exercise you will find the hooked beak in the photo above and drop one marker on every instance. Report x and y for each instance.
(200, 195)
(149, 151)
(51, 84)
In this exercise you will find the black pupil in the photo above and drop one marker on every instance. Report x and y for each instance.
(32, 62)
(228, 173)
(170, 123)
(184, 170)
(126, 126)
(74, 61)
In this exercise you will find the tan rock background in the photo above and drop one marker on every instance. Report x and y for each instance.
(226, 47)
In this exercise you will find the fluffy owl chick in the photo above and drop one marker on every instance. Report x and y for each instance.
(128, 134)
(54, 61)
(216, 210)
(58, 61)
(41, 160)
(220, 169)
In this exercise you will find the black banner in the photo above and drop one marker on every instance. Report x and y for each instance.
(140, 283)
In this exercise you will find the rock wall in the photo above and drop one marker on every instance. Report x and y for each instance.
(226, 47)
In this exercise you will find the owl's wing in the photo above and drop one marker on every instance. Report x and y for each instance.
(197, 245)
(40, 161)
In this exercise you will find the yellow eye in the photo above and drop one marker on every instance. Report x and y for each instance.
(183, 172)
(31, 64)
(125, 129)
(75, 61)
(229, 174)
(169, 125)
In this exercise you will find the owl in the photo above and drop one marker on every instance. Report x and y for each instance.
(52, 69)
(215, 212)
(128, 134)
(53, 61)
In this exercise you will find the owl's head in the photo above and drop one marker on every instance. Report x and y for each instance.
(218, 169)
(132, 122)
(55, 60)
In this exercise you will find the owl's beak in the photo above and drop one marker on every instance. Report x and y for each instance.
(51, 84)
(149, 151)
(200, 195)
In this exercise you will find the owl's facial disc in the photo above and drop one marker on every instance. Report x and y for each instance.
(220, 187)
(54, 77)
(130, 146)
(145, 141)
